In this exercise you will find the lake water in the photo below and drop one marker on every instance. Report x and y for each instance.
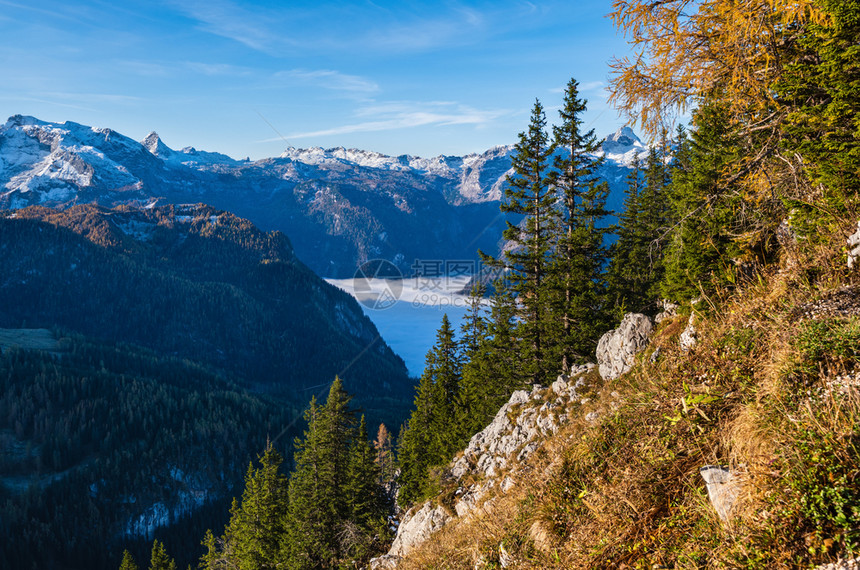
(408, 312)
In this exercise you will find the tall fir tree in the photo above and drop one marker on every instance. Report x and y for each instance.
(128, 562)
(365, 527)
(637, 267)
(257, 522)
(628, 283)
(528, 194)
(316, 504)
(159, 560)
(578, 296)
(427, 439)
(700, 253)
(493, 370)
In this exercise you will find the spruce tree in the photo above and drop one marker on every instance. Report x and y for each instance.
(257, 522)
(580, 256)
(365, 500)
(701, 248)
(528, 194)
(446, 374)
(128, 562)
(317, 505)
(492, 372)
(362, 490)
(820, 93)
(159, 560)
(637, 264)
(309, 537)
(628, 284)
(428, 438)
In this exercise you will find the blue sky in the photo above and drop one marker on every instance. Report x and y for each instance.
(250, 78)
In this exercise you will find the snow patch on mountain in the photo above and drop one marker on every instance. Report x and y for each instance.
(622, 147)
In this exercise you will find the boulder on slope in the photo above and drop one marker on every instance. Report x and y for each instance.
(617, 349)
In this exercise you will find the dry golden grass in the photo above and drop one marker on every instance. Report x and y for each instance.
(626, 492)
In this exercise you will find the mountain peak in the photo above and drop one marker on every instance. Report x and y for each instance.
(623, 146)
(21, 120)
(624, 136)
(153, 143)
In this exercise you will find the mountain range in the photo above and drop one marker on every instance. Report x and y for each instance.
(340, 207)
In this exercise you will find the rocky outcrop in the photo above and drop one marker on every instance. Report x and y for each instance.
(417, 526)
(492, 457)
(384, 562)
(854, 247)
(514, 432)
(690, 337)
(723, 487)
(669, 311)
(617, 349)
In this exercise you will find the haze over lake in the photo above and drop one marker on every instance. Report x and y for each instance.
(409, 323)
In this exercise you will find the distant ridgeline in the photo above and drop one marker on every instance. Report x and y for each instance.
(339, 206)
(186, 336)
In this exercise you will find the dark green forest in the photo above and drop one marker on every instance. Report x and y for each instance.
(95, 435)
(195, 283)
(187, 336)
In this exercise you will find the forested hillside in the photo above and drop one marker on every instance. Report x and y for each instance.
(105, 444)
(196, 283)
(182, 338)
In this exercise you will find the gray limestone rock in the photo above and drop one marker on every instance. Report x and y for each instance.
(670, 310)
(854, 247)
(689, 338)
(384, 562)
(617, 349)
(723, 488)
(417, 526)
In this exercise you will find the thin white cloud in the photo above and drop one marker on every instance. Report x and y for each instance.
(279, 30)
(145, 68)
(592, 86)
(394, 116)
(91, 97)
(217, 69)
(229, 20)
(333, 80)
(46, 102)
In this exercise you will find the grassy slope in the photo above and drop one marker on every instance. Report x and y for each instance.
(767, 391)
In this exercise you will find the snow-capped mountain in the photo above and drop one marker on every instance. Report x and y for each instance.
(339, 206)
(622, 147)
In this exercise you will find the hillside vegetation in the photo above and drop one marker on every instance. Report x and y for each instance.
(197, 283)
(771, 390)
(742, 220)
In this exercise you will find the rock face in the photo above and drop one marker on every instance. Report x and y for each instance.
(670, 310)
(514, 434)
(416, 527)
(723, 488)
(689, 338)
(854, 247)
(617, 349)
(491, 449)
